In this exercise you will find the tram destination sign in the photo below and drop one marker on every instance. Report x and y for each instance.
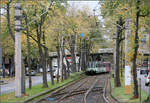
(105, 50)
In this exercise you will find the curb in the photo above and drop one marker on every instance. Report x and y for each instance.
(110, 92)
(49, 91)
(105, 91)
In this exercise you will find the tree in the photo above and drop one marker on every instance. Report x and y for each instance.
(114, 9)
(118, 40)
(29, 50)
(113, 13)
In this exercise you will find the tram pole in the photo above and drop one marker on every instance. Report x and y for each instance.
(127, 65)
(0, 46)
(18, 67)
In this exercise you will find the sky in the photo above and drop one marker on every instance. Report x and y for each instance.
(90, 4)
(82, 4)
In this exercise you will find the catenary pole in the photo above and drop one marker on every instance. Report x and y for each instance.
(0, 44)
(18, 67)
(127, 65)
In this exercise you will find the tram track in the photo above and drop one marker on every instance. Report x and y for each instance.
(88, 91)
(102, 93)
(80, 91)
(71, 91)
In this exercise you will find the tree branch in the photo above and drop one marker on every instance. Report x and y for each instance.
(8, 22)
(141, 15)
(35, 40)
(121, 39)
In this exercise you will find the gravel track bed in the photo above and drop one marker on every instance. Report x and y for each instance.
(93, 97)
(97, 97)
(73, 86)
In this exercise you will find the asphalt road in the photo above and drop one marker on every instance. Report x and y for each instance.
(143, 80)
(10, 87)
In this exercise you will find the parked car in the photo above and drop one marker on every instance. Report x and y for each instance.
(55, 70)
(41, 70)
(48, 69)
(143, 72)
(33, 73)
(147, 83)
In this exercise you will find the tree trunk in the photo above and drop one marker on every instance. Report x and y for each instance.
(79, 66)
(51, 70)
(136, 94)
(29, 52)
(72, 46)
(23, 89)
(68, 66)
(85, 54)
(58, 60)
(1, 59)
(8, 21)
(64, 65)
(83, 59)
(45, 60)
(3, 64)
(82, 56)
(61, 58)
(117, 53)
(121, 59)
(88, 53)
(42, 55)
(12, 67)
(117, 69)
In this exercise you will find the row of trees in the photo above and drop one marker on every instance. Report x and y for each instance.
(50, 28)
(115, 13)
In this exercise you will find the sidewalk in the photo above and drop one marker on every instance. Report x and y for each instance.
(10, 86)
(6, 80)
(37, 91)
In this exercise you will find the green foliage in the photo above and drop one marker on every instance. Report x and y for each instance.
(112, 10)
(58, 20)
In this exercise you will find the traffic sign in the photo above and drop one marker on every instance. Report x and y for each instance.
(82, 34)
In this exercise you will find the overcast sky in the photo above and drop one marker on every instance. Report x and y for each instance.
(90, 4)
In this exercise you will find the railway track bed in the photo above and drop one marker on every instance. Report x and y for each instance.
(87, 90)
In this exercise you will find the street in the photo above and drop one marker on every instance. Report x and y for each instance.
(10, 87)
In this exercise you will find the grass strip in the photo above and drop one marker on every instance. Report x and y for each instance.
(119, 93)
(10, 97)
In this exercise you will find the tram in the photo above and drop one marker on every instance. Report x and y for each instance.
(97, 67)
